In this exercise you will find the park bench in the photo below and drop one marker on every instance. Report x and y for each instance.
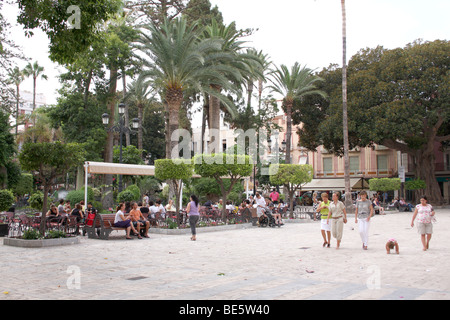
(102, 227)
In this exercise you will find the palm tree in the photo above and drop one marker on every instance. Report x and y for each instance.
(344, 110)
(139, 94)
(175, 62)
(17, 76)
(34, 70)
(293, 84)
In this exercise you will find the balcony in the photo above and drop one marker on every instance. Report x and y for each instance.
(356, 173)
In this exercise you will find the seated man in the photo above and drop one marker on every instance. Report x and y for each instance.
(138, 220)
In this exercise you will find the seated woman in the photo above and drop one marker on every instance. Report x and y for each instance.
(121, 221)
(53, 214)
(78, 212)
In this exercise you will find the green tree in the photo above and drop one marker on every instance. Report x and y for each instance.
(50, 160)
(175, 60)
(397, 98)
(34, 70)
(16, 76)
(293, 84)
(292, 177)
(384, 184)
(7, 148)
(70, 27)
(175, 171)
(223, 167)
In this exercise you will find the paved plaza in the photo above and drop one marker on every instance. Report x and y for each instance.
(286, 263)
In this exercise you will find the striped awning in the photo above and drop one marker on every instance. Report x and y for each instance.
(335, 184)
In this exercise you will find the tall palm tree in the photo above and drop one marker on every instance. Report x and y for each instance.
(293, 84)
(139, 93)
(344, 110)
(174, 57)
(34, 70)
(17, 76)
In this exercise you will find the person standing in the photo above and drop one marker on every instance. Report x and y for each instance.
(339, 216)
(194, 216)
(363, 213)
(425, 214)
(324, 226)
(274, 196)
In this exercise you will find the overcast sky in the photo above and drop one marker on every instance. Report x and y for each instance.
(307, 31)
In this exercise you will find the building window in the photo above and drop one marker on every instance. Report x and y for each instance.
(354, 163)
(327, 164)
(382, 162)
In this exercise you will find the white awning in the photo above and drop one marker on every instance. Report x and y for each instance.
(119, 168)
(334, 184)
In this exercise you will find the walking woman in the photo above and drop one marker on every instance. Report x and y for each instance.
(324, 226)
(425, 215)
(363, 213)
(339, 217)
(192, 210)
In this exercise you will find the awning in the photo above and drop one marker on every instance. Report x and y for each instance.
(335, 184)
(118, 168)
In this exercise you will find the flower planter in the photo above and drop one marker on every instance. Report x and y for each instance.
(15, 242)
(3, 229)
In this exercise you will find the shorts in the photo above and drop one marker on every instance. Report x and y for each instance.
(425, 228)
(324, 225)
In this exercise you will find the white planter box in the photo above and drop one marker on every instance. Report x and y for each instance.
(14, 242)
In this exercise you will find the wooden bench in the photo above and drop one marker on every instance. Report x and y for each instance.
(102, 227)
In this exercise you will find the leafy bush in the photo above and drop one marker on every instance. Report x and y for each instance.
(6, 199)
(136, 192)
(31, 234)
(125, 196)
(37, 200)
(53, 234)
(75, 196)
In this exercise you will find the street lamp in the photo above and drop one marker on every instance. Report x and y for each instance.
(120, 128)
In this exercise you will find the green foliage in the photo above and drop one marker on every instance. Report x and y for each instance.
(416, 184)
(37, 200)
(31, 234)
(6, 199)
(291, 175)
(24, 185)
(52, 18)
(166, 169)
(126, 195)
(53, 234)
(135, 190)
(130, 155)
(76, 196)
(384, 184)
(218, 165)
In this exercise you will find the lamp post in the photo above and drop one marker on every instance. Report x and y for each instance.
(121, 129)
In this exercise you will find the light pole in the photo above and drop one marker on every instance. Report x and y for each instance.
(121, 129)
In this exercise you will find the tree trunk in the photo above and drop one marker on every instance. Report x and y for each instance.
(214, 121)
(44, 210)
(108, 200)
(348, 194)
(291, 202)
(425, 170)
(288, 132)
(140, 136)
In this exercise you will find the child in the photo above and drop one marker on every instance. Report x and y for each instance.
(391, 243)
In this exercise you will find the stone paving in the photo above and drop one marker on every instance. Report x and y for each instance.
(286, 263)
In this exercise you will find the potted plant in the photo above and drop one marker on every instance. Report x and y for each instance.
(6, 200)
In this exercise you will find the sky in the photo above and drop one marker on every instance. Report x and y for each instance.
(289, 31)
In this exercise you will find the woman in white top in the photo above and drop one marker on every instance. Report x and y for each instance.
(339, 215)
(363, 213)
(425, 216)
(121, 221)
